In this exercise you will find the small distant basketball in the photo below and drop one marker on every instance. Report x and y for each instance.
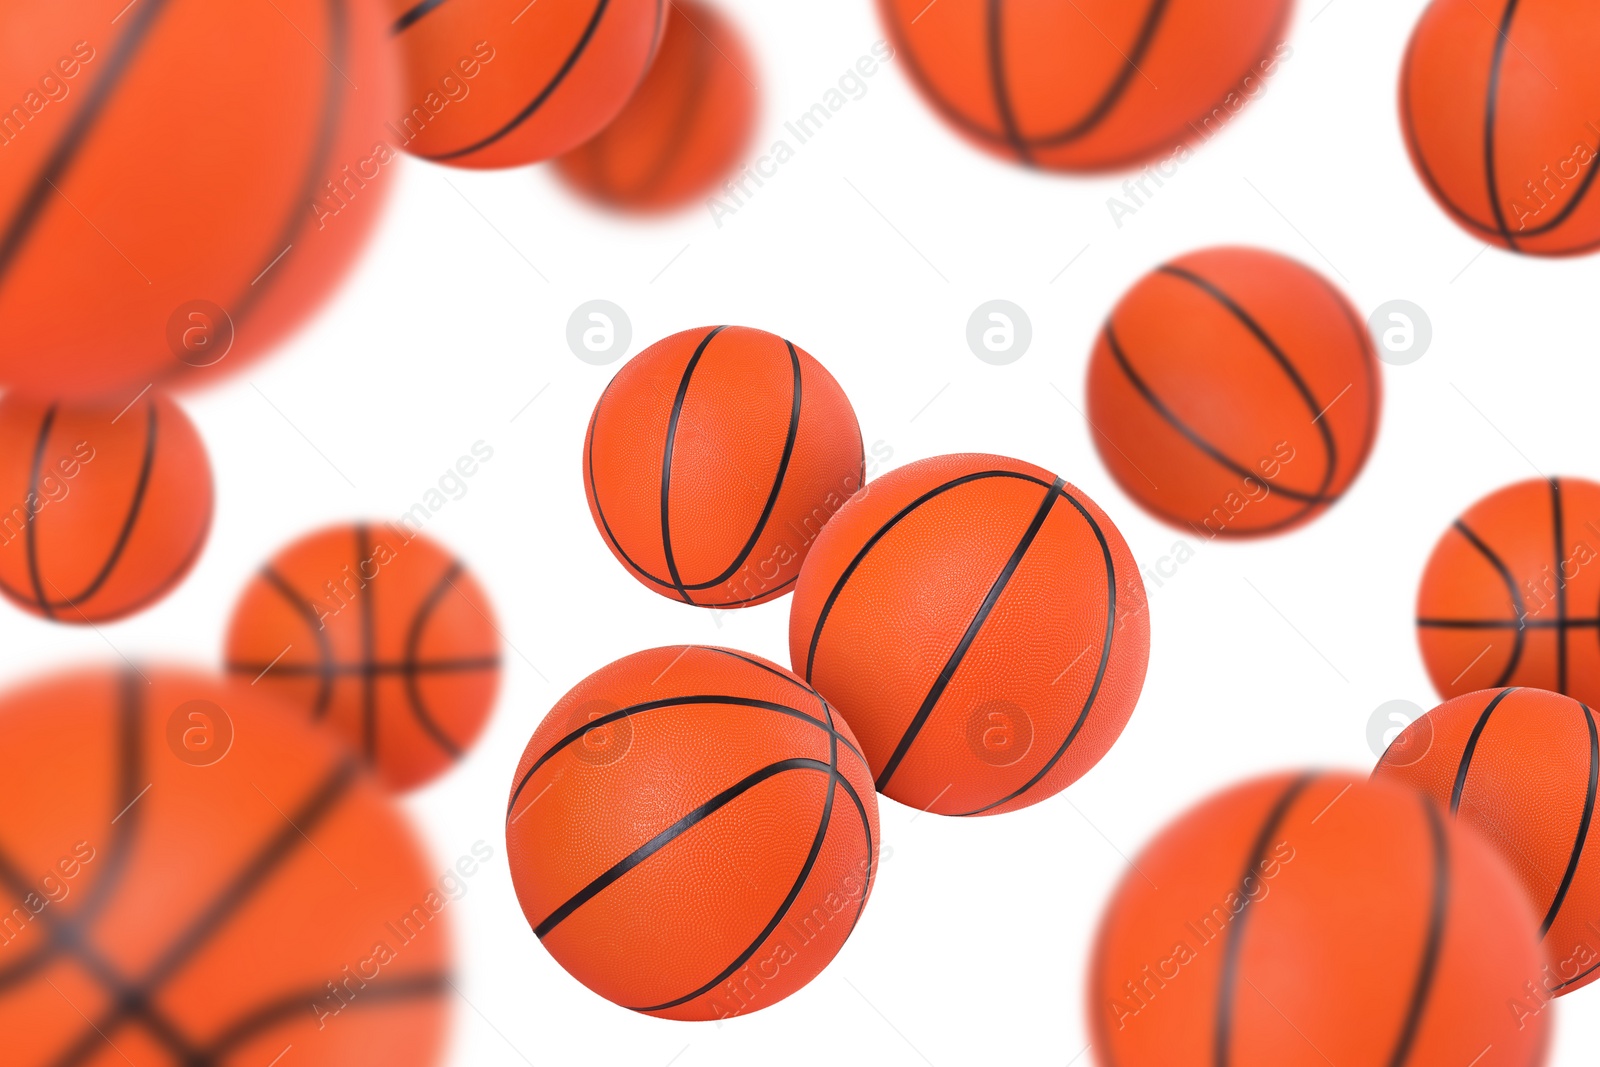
(1307, 919)
(1499, 110)
(191, 876)
(1511, 593)
(103, 508)
(693, 833)
(184, 183)
(1521, 766)
(1234, 392)
(502, 83)
(1093, 85)
(683, 132)
(380, 633)
(981, 624)
(714, 459)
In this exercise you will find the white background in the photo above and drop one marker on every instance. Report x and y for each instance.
(870, 249)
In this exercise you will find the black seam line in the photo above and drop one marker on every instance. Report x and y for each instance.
(419, 622)
(995, 30)
(594, 493)
(866, 823)
(544, 94)
(1561, 585)
(1472, 748)
(302, 607)
(1584, 823)
(269, 1015)
(31, 541)
(350, 670)
(1459, 213)
(31, 207)
(1100, 671)
(1569, 207)
(369, 691)
(1222, 1040)
(1517, 604)
(1574, 980)
(959, 653)
(1491, 107)
(670, 834)
(1118, 87)
(1431, 947)
(141, 491)
(881, 532)
(1296, 379)
(668, 702)
(800, 881)
(414, 15)
(678, 132)
(666, 461)
(1508, 624)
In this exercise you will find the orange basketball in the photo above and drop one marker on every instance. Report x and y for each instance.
(692, 833)
(1234, 392)
(1521, 766)
(380, 633)
(184, 182)
(1511, 593)
(103, 509)
(684, 130)
(1499, 103)
(982, 625)
(712, 461)
(500, 83)
(1090, 85)
(1303, 920)
(191, 877)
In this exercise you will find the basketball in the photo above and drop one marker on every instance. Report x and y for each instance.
(1234, 392)
(1510, 594)
(1473, 754)
(1498, 107)
(182, 869)
(184, 182)
(982, 626)
(1093, 85)
(684, 130)
(105, 508)
(692, 833)
(713, 460)
(502, 83)
(1309, 919)
(381, 634)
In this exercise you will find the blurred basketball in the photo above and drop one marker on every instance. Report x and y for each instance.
(684, 130)
(712, 461)
(501, 83)
(1521, 766)
(191, 876)
(1499, 112)
(381, 634)
(692, 833)
(1302, 920)
(1511, 593)
(983, 627)
(184, 183)
(1234, 392)
(1091, 85)
(103, 509)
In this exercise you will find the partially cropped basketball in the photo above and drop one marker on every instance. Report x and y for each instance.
(1499, 103)
(1234, 392)
(184, 182)
(683, 132)
(1091, 85)
(380, 633)
(713, 461)
(692, 833)
(1308, 919)
(502, 83)
(1511, 593)
(103, 508)
(193, 877)
(983, 627)
(1521, 766)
